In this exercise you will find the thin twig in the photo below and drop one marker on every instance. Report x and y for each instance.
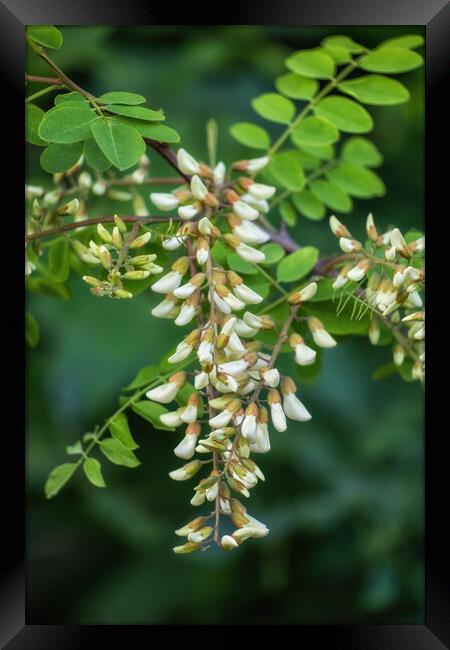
(93, 222)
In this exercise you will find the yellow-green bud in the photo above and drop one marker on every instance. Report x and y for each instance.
(104, 234)
(141, 241)
(94, 282)
(120, 224)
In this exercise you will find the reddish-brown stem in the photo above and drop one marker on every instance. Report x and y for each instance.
(93, 222)
(44, 80)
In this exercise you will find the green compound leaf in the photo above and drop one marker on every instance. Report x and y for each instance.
(361, 151)
(239, 265)
(323, 152)
(151, 411)
(273, 252)
(409, 41)
(376, 89)
(309, 206)
(159, 132)
(312, 63)
(33, 119)
(45, 35)
(60, 157)
(345, 114)
(332, 195)
(68, 122)
(315, 131)
(274, 107)
(48, 287)
(121, 144)
(120, 97)
(73, 96)
(57, 478)
(31, 329)
(357, 181)
(307, 160)
(296, 87)
(117, 453)
(58, 260)
(93, 471)
(75, 449)
(250, 135)
(143, 377)
(341, 48)
(297, 264)
(342, 42)
(287, 170)
(288, 213)
(137, 112)
(391, 60)
(94, 156)
(121, 431)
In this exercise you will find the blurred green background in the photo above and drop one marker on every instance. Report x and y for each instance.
(344, 493)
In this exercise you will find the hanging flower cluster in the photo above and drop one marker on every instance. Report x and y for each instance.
(235, 379)
(393, 276)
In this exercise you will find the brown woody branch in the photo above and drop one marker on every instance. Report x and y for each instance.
(93, 222)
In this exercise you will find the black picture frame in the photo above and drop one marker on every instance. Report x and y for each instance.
(434, 15)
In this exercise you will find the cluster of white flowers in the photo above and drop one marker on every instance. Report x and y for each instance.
(114, 255)
(394, 277)
(234, 376)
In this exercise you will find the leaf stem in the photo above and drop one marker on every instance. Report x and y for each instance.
(39, 93)
(320, 95)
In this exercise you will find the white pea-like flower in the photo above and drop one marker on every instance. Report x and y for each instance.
(247, 295)
(182, 351)
(228, 543)
(261, 191)
(164, 201)
(167, 392)
(198, 188)
(250, 233)
(244, 330)
(397, 239)
(164, 309)
(201, 380)
(219, 172)
(188, 212)
(205, 226)
(256, 164)
(187, 313)
(172, 418)
(250, 254)
(172, 243)
(187, 163)
(248, 427)
(321, 337)
(304, 355)
(245, 211)
(270, 377)
(260, 204)
(276, 410)
(168, 283)
(186, 472)
(186, 448)
(235, 345)
(234, 368)
(295, 409)
(349, 245)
